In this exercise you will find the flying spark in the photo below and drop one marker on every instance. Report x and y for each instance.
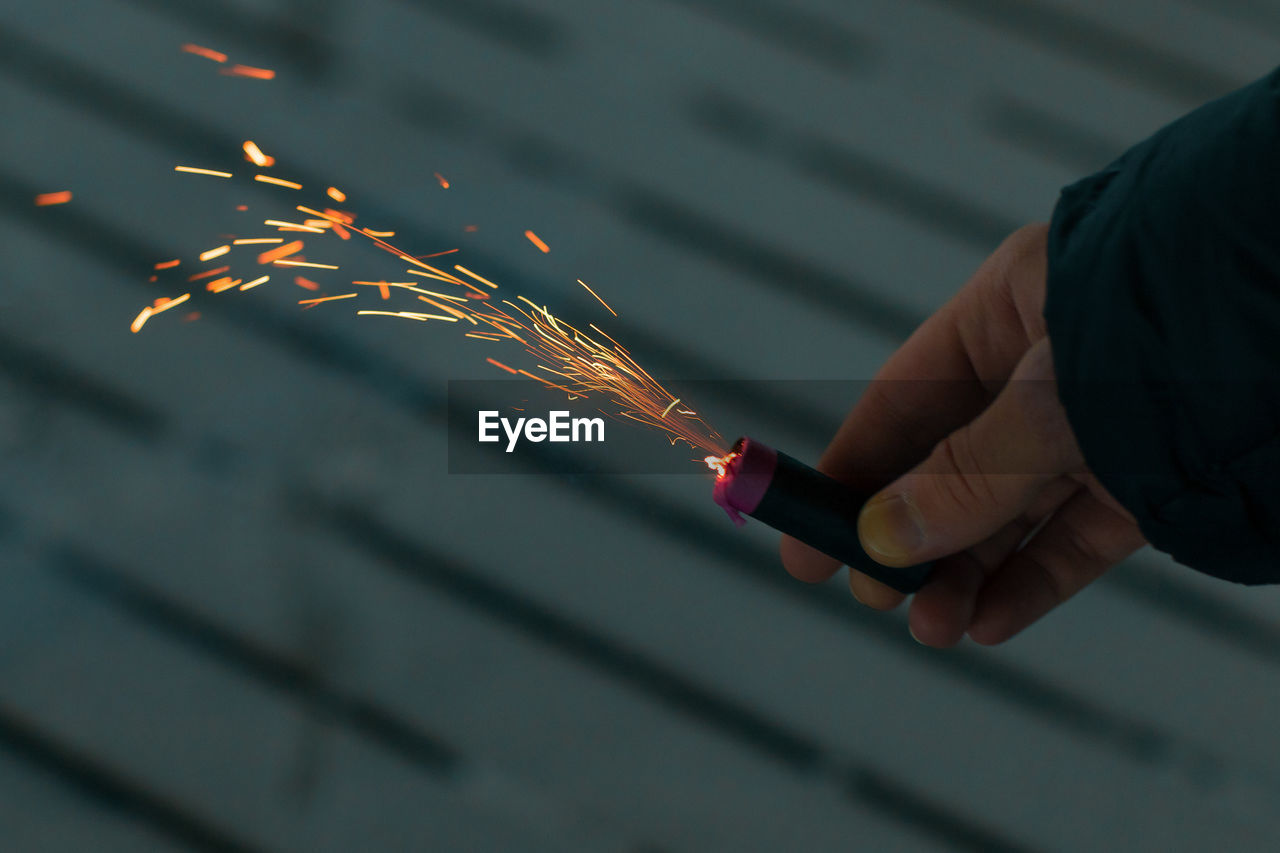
(580, 363)
(597, 296)
(254, 155)
(250, 71)
(207, 53)
(280, 182)
(194, 171)
(47, 199)
(214, 253)
(537, 241)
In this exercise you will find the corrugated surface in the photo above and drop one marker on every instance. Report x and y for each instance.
(244, 606)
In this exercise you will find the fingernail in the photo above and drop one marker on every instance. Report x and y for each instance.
(891, 527)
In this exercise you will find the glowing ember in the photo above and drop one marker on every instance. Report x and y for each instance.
(282, 252)
(336, 194)
(207, 53)
(164, 265)
(537, 241)
(304, 264)
(280, 182)
(207, 273)
(444, 182)
(214, 253)
(292, 226)
(250, 71)
(502, 366)
(318, 300)
(720, 464)
(160, 306)
(192, 170)
(597, 296)
(478, 278)
(225, 283)
(47, 199)
(254, 155)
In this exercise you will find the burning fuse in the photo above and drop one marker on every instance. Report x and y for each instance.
(801, 502)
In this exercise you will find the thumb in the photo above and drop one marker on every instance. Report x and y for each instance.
(980, 477)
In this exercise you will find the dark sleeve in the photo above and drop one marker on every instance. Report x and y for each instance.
(1163, 312)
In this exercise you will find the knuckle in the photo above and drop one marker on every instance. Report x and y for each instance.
(963, 480)
(1084, 550)
(1058, 590)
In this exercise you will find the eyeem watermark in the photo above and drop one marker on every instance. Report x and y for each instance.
(556, 427)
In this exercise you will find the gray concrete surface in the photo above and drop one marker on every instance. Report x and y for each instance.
(242, 603)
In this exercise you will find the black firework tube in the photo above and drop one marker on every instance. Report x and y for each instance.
(806, 504)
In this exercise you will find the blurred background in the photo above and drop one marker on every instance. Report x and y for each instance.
(243, 605)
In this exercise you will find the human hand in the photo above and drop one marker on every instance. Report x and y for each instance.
(999, 463)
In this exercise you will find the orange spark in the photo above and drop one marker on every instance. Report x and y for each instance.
(478, 278)
(207, 53)
(306, 283)
(336, 194)
(160, 306)
(272, 255)
(242, 207)
(339, 216)
(253, 241)
(46, 199)
(280, 182)
(225, 283)
(410, 315)
(497, 363)
(537, 241)
(249, 71)
(437, 254)
(214, 253)
(291, 226)
(165, 265)
(369, 232)
(444, 182)
(254, 155)
(249, 285)
(453, 312)
(471, 229)
(192, 317)
(305, 264)
(192, 170)
(597, 296)
(207, 273)
(325, 299)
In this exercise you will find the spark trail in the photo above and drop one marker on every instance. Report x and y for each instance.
(577, 362)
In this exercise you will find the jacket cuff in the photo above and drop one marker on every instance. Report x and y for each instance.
(1163, 311)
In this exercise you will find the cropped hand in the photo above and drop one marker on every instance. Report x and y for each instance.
(987, 477)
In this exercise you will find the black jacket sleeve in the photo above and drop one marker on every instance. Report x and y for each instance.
(1163, 312)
